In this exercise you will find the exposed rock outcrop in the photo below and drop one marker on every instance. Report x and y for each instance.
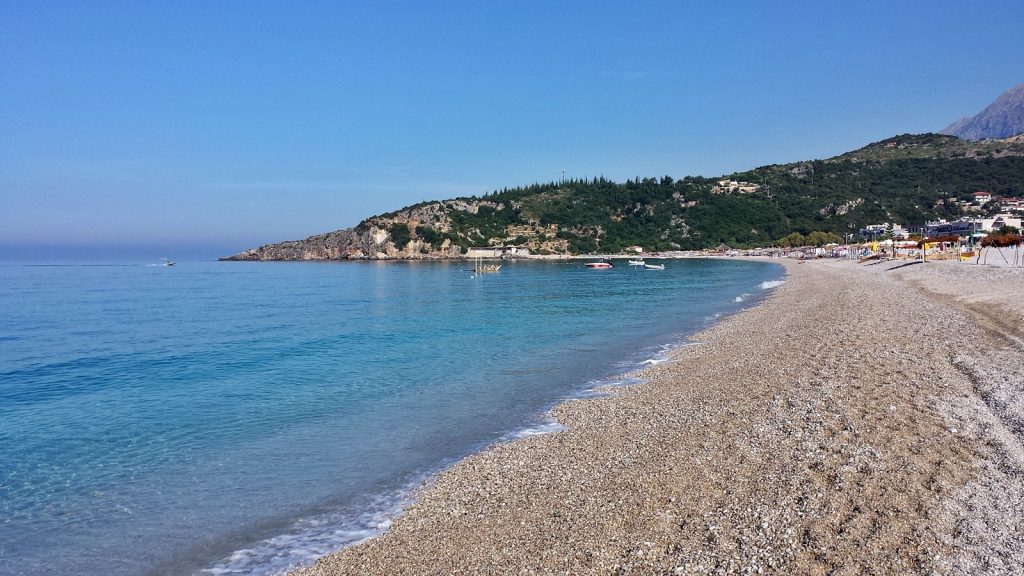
(1001, 119)
(397, 236)
(351, 244)
(420, 232)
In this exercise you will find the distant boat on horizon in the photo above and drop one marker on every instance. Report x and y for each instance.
(166, 262)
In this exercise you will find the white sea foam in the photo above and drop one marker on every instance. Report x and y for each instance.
(602, 388)
(646, 358)
(742, 297)
(592, 390)
(622, 382)
(769, 284)
(312, 538)
(549, 427)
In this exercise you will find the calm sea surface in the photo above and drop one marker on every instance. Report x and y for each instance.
(238, 418)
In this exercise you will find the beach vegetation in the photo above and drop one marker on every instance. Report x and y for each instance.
(820, 238)
(791, 240)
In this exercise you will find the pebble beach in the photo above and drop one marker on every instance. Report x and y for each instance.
(862, 419)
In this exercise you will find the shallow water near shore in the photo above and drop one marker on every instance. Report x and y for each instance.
(239, 418)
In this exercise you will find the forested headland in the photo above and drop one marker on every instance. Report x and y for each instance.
(907, 179)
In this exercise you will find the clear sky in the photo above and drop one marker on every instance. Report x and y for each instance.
(207, 128)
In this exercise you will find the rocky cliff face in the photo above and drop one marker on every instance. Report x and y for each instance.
(350, 244)
(1001, 119)
(400, 235)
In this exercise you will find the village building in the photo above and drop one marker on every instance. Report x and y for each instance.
(727, 186)
(981, 197)
(998, 221)
(876, 230)
(497, 252)
(962, 227)
(1012, 204)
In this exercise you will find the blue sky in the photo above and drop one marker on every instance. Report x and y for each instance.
(210, 127)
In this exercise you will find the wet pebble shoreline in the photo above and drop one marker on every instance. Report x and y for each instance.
(839, 427)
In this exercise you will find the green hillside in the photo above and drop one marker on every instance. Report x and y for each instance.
(907, 180)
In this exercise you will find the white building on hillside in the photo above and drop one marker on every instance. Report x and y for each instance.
(1012, 204)
(998, 221)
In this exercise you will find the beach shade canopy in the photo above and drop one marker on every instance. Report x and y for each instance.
(723, 247)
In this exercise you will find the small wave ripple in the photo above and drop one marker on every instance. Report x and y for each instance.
(312, 538)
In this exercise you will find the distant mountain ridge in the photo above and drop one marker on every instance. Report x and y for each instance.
(1000, 119)
(906, 179)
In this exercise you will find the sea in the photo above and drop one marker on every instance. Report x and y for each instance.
(217, 418)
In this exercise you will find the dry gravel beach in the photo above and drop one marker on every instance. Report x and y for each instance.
(863, 419)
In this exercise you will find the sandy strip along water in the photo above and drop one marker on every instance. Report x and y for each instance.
(862, 419)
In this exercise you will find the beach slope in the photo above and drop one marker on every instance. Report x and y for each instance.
(861, 419)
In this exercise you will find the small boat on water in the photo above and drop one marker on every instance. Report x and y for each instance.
(637, 262)
(654, 266)
(603, 263)
(166, 262)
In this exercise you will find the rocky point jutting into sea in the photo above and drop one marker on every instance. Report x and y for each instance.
(375, 239)
(864, 419)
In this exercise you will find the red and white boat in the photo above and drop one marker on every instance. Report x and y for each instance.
(602, 264)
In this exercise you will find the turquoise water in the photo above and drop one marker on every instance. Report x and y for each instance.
(238, 418)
